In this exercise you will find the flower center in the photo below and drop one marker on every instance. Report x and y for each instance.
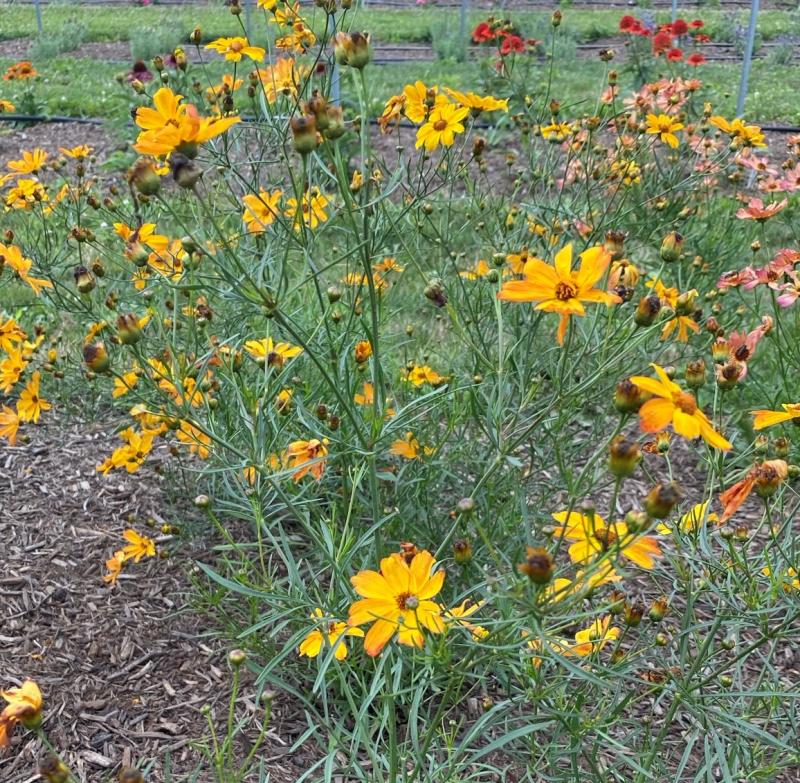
(565, 291)
(407, 601)
(685, 402)
(440, 125)
(237, 46)
(605, 537)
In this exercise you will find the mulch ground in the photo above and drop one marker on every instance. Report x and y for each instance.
(124, 671)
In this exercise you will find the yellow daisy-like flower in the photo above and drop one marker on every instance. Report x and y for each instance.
(30, 404)
(261, 210)
(665, 127)
(273, 354)
(478, 102)
(328, 633)
(693, 519)
(30, 163)
(398, 600)
(444, 122)
(24, 705)
(234, 49)
(138, 546)
(768, 418)
(595, 637)
(592, 536)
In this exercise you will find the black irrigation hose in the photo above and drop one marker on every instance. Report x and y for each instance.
(57, 120)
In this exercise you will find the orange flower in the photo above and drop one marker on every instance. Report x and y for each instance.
(764, 478)
(397, 600)
(673, 405)
(307, 457)
(755, 210)
(559, 289)
(24, 706)
(767, 418)
(138, 546)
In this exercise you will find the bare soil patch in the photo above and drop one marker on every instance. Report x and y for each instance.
(124, 671)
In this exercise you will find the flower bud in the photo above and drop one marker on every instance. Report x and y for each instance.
(637, 521)
(662, 499)
(628, 397)
(647, 311)
(84, 280)
(185, 171)
(304, 133)
(435, 292)
(462, 551)
(202, 501)
(728, 374)
(362, 351)
(196, 36)
(671, 247)
(237, 657)
(538, 565)
(781, 446)
(614, 244)
(720, 350)
(143, 176)
(555, 19)
(624, 456)
(465, 506)
(633, 615)
(128, 329)
(658, 609)
(769, 476)
(695, 374)
(96, 357)
(53, 770)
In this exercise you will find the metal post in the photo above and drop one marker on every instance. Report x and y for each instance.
(748, 58)
(38, 16)
(462, 27)
(248, 18)
(674, 10)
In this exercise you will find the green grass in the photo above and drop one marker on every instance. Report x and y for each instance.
(120, 24)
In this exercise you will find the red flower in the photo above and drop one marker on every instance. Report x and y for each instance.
(702, 38)
(482, 33)
(696, 59)
(662, 41)
(679, 27)
(696, 24)
(628, 23)
(675, 55)
(512, 43)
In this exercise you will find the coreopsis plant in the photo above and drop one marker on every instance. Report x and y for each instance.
(354, 355)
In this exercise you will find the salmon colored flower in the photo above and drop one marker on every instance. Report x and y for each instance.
(592, 536)
(234, 49)
(764, 477)
(673, 405)
(30, 404)
(328, 633)
(559, 288)
(398, 600)
(768, 418)
(665, 127)
(24, 705)
(755, 210)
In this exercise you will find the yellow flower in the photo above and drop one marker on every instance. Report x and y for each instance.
(693, 519)
(198, 442)
(30, 405)
(477, 102)
(742, 135)
(265, 351)
(481, 269)
(407, 447)
(329, 633)
(389, 264)
(132, 454)
(26, 194)
(420, 374)
(10, 335)
(11, 369)
(444, 122)
(417, 100)
(235, 48)
(397, 600)
(138, 546)
(30, 163)
(124, 383)
(6, 106)
(114, 565)
(283, 78)
(788, 579)
(557, 131)
(261, 210)
(665, 127)
(367, 397)
(24, 705)
(585, 581)
(458, 614)
(767, 418)
(672, 405)
(594, 638)
(559, 288)
(306, 457)
(78, 153)
(683, 323)
(9, 424)
(312, 209)
(593, 536)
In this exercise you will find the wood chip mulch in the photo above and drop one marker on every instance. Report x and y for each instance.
(124, 671)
